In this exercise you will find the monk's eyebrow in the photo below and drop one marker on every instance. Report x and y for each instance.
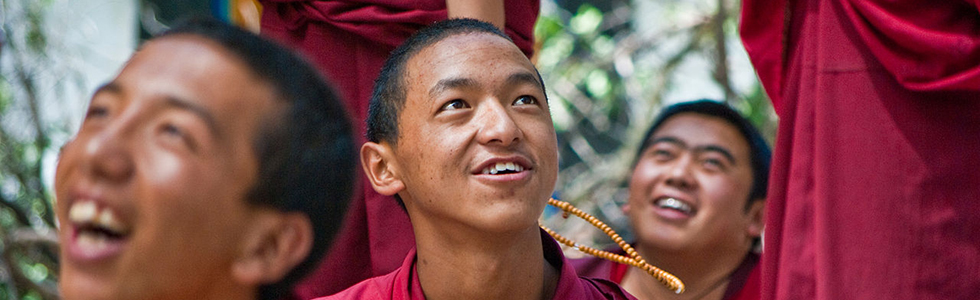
(110, 87)
(705, 148)
(665, 139)
(718, 149)
(195, 109)
(172, 102)
(523, 78)
(451, 83)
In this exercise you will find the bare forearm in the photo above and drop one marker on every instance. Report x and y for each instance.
(485, 10)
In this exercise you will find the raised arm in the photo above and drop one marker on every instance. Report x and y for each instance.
(491, 11)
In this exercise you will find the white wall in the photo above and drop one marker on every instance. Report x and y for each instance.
(89, 41)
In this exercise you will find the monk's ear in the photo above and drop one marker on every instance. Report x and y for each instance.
(381, 168)
(756, 215)
(275, 243)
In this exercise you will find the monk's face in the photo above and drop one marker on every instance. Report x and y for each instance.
(151, 192)
(476, 143)
(689, 188)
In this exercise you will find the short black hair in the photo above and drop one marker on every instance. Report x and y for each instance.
(306, 154)
(760, 154)
(388, 98)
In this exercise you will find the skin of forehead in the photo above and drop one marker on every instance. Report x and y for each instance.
(455, 43)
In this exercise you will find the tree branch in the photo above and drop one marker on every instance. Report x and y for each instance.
(24, 239)
(18, 214)
(721, 52)
(41, 141)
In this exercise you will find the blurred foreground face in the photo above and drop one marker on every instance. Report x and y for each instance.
(689, 188)
(151, 192)
(476, 143)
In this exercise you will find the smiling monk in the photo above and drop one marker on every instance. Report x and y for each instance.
(696, 205)
(460, 132)
(198, 170)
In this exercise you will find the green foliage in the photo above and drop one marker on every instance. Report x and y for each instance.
(36, 39)
(28, 246)
(586, 20)
(758, 110)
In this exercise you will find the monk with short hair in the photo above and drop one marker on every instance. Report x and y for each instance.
(460, 131)
(216, 165)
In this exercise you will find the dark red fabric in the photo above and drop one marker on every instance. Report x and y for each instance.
(594, 267)
(617, 271)
(403, 283)
(875, 188)
(387, 22)
(743, 284)
(349, 41)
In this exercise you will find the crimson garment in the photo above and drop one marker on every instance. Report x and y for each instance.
(743, 283)
(875, 186)
(348, 42)
(403, 283)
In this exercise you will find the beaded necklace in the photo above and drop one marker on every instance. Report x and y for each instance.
(634, 259)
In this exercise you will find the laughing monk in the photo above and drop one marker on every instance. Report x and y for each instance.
(198, 169)
(460, 132)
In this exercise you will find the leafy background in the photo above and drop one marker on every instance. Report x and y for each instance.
(34, 70)
(609, 67)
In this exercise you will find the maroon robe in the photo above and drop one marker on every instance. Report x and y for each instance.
(349, 41)
(875, 187)
(403, 283)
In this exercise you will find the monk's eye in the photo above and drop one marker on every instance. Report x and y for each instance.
(526, 100)
(454, 105)
(96, 111)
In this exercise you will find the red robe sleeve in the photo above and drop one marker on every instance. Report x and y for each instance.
(390, 22)
(763, 29)
(874, 191)
(926, 45)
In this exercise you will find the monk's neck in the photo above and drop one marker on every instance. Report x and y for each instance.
(705, 275)
(458, 265)
(222, 289)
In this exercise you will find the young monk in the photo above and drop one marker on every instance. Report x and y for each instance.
(349, 41)
(461, 134)
(696, 205)
(198, 170)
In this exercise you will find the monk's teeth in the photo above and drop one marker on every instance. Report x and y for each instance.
(90, 219)
(501, 167)
(674, 204)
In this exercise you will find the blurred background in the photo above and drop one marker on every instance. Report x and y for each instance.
(609, 67)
